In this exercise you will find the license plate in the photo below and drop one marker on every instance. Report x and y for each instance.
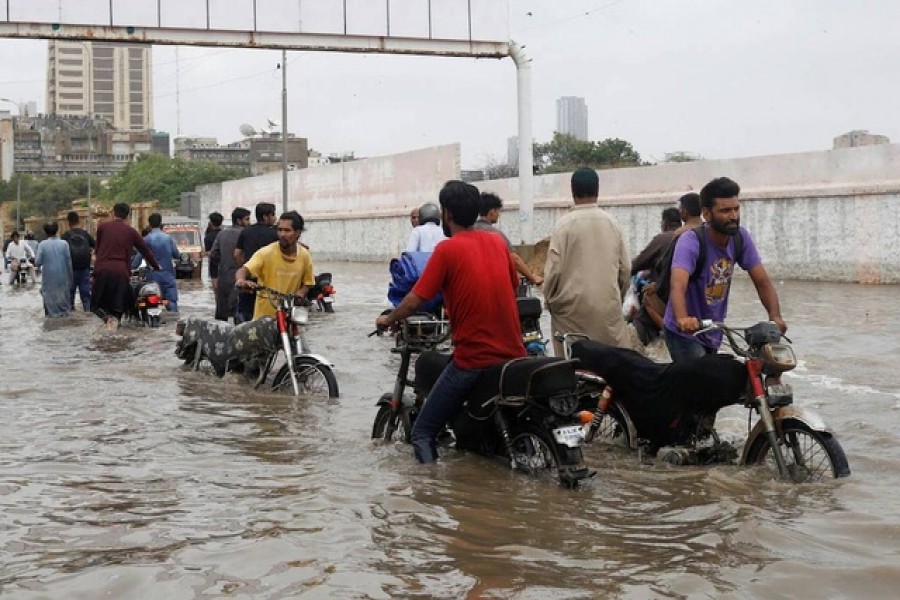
(327, 299)
(154, 311)
(781, 390)
(572, 436)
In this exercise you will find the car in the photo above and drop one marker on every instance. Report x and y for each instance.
(189, 241)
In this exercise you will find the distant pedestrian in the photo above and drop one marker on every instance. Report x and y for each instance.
(163, 247)
(262, 233)
(111, 294)
(221, 264)
(414, 217)
(81, 246)
(54, 258)
(212, 230)
(488, 215)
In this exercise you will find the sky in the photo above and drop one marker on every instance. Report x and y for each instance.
(716, 78)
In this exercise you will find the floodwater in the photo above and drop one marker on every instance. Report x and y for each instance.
(124, 476)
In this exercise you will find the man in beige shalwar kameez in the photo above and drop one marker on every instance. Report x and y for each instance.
(588, 270)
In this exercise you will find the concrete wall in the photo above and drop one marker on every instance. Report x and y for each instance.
(832, 215)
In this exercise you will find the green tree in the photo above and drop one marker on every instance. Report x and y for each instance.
(158, 177)
(567, 153)
(42, 197)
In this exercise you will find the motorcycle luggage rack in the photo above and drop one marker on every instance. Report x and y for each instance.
(425, 330)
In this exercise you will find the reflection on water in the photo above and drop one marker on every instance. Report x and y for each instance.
(126, 475)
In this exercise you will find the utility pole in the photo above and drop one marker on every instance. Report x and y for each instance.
(18, 199)
(284, 135)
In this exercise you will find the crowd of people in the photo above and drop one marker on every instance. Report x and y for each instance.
(586, 275)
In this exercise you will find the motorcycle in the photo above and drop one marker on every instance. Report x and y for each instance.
(524, 411)
(530, 317)
(148, 300)
(669, 410)
(18, 269)
(255, 347)
(321, 294)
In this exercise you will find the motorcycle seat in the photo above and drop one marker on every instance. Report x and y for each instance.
(536, 377)
(529, 307)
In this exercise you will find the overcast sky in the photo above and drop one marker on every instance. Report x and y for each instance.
(720, 78)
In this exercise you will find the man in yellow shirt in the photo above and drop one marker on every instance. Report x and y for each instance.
(285, 265)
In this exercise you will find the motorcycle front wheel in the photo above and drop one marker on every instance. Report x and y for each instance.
(534, 453)
(391, 425)
(314, 379)
(810, 455)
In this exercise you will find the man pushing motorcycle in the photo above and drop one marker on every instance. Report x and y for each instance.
(700, 287)
(285, 265)
(475, 272)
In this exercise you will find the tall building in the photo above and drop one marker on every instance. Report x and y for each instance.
(572, 117)
(111, 81)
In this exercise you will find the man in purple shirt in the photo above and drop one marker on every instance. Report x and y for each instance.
(706, 296)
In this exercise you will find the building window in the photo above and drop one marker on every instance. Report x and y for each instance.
(104, 97)
(72, 62)
(136, 86)
(104, 86)
(70, 73)
(71, 96)
(70, 84)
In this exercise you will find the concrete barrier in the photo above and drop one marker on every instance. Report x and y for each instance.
(826, 216)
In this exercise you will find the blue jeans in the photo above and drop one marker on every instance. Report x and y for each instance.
(683, 349)
(446, 398)
(81, 281)
(167, 287)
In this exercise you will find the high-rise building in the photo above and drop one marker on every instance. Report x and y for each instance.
(111, 81)
(572, 117)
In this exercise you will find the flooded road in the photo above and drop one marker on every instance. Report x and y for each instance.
(124, 476)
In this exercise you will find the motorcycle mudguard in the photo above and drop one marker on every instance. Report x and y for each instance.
(319, 359)
(385, 400)
(805, 416)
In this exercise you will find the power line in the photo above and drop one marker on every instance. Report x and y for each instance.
(581, 15)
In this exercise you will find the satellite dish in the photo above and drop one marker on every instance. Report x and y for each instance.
(247, 130)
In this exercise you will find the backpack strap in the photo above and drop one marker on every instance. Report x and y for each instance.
(701, 255)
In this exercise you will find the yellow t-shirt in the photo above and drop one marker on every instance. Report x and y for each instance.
(271, 269)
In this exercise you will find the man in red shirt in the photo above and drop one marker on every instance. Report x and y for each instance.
(475, 272)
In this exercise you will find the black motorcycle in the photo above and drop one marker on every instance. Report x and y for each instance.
(321, 294)
(148, 300)
(524, 411)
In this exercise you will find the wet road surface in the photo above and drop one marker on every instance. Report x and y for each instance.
(122, 475)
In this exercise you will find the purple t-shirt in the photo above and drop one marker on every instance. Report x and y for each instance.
(707, 296)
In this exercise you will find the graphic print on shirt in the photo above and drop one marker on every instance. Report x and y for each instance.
(719, 280)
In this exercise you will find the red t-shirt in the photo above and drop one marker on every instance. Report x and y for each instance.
(475, 272)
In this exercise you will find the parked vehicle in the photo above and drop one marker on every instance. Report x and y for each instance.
(670, 409)
(148, 300)
(188, 239)
(524, 411)
(321, 294)
(259, 348)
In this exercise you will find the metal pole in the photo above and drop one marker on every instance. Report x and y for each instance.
(18, 199)
(526, 158)
(90, 168)
(284, 134)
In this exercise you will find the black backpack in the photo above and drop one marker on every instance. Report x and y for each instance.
(79, 248)
(662, 272)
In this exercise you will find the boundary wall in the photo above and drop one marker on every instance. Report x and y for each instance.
(824, 216)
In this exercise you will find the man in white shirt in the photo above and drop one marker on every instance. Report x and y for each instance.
(428, 233)
(21, 252)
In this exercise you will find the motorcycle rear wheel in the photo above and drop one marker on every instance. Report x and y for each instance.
(613, 428)
(392, 426)
(329, 307)
(811, 456)
(154, 321)
(315, 379)
(534, 453)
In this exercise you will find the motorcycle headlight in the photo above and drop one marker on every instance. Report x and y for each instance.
(299, 315)
(778, 358)
(563, 404)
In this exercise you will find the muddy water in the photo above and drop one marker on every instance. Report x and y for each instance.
(124, 476)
